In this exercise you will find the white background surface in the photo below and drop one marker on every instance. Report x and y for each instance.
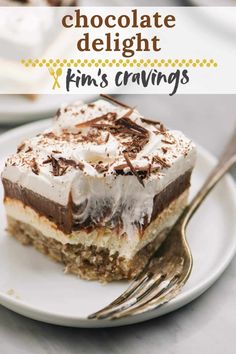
(208, 324)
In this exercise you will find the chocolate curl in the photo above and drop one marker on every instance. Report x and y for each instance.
(132, 169)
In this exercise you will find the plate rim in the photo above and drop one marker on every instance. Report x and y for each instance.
(183, 299)
(32, 112)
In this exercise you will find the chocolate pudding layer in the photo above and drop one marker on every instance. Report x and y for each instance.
(62, 216)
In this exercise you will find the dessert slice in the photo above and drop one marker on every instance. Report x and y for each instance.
(99, 190)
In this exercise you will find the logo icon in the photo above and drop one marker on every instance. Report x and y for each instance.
(55, 74)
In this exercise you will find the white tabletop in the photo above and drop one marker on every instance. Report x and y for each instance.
(208, 325)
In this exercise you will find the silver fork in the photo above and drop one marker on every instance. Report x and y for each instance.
(170, 267)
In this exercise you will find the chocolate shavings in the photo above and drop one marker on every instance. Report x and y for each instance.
(34, 166)
(109, 98)
(128, 123)
(107, 137)
(149, 168)
(29, 149)
(101, 168)
(60, 166)
(92, 122)
(72, 163)
(55, 167)
(58, 113)
(162, 162)
(49, 160)
(149, 121)
(20, 147)
(167, 141)
(132, 169)
(162, 128)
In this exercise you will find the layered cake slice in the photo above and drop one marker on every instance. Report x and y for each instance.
(99, 190)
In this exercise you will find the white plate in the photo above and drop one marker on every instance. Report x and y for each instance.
(34, 286)
(15, 109)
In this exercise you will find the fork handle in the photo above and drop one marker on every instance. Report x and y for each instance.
(227, 159)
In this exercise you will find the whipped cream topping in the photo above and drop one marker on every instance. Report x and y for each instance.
(105, 157)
